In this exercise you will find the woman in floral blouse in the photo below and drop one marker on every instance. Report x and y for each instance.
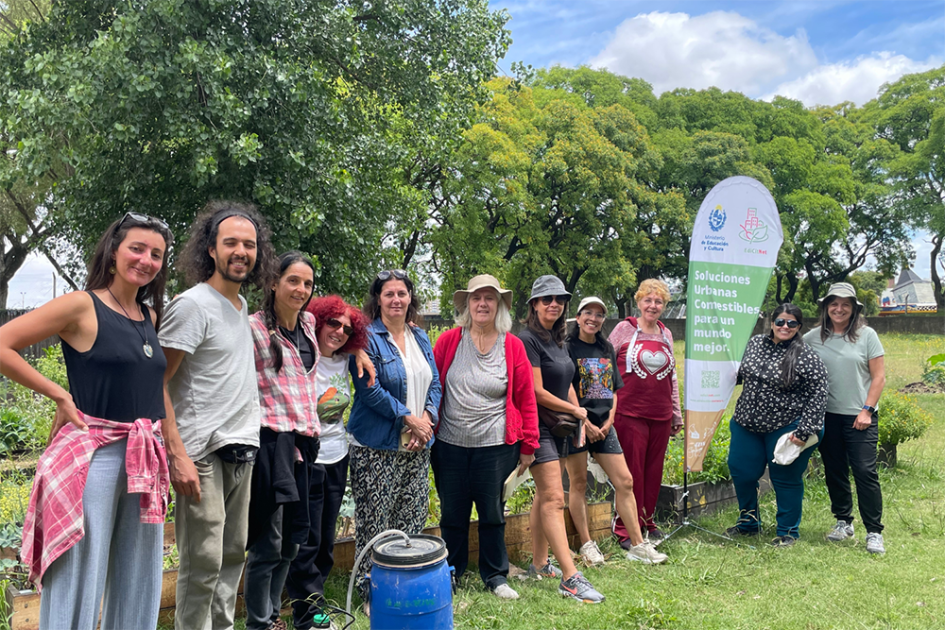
(785, 393)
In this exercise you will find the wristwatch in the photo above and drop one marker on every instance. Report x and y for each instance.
(869, 408)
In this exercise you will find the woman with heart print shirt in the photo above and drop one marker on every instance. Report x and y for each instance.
(648, 404)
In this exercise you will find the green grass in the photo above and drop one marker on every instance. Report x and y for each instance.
(710, 584)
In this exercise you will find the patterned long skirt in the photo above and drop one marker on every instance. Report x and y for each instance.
(391, 491)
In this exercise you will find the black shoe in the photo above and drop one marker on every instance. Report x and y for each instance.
(783, 541)
(625, 544)
(735, 532)
(655, 534)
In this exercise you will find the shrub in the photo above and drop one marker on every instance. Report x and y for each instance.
(901, 419)
(27, 417)
(933, 372)
(714, 467)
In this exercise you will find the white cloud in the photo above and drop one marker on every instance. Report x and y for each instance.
(733, 52)
(857, 81)
(720, 49)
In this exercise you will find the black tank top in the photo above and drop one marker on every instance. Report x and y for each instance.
(114, 380)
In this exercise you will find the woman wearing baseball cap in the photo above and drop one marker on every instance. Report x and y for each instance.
(488, 426)
(856, 375)
(596, 381)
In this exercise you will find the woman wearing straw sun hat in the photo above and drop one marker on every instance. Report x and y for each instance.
(856, 375)
(553, 371)
(488, 426)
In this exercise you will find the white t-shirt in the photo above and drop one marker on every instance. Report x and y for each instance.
(214, 393)
(419, 375)
(334, 396)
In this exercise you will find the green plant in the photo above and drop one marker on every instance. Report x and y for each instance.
(714, 466)
(27, 417)
(933, 372)
(901, 419)
(16, 432)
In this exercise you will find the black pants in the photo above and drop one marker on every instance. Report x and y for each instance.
(465, 475)
(843, 448)
(314, 561)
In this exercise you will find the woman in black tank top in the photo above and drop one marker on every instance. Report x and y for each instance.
(115, 368)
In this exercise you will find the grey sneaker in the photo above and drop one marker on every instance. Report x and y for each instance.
(646, 553)
(547, 571)
(840, 532)
(591, 554)
(504, 591)
(577, 587)
(874, 543)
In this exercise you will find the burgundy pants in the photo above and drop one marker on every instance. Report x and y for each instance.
(644, 445)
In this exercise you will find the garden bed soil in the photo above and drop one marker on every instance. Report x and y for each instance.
(25, 604)
(922, 388)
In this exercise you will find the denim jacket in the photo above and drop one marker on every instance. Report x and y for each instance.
(377, 415)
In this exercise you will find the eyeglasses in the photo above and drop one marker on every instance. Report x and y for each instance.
(548, 299)
(790, 323)
(142, 218)
(399, 274)
(593, 314)
(335, 324)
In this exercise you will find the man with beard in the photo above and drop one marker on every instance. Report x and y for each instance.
(212, 406)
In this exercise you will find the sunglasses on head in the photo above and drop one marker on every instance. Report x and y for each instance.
(335, 324)
(142, 218)
(399, 274)
(548, 299)
(790, 323)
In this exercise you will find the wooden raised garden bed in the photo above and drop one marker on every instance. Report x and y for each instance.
(25, 604)
(704, 498)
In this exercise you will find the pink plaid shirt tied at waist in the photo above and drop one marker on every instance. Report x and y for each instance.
(54, 520)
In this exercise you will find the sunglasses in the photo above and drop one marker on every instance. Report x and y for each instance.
(399, 274)
(790, 323)
(548, 299)
(142, 218)
(335, 324)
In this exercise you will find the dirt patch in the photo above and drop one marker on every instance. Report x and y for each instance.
(922, 388)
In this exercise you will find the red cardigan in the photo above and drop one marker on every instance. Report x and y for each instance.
(521, 411)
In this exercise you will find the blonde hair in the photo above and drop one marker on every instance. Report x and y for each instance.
(503, 319)
(652, 286)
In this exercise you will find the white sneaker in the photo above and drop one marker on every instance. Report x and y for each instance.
(874, 543)
(591, 554)
(840, 532)
(504, 591)
(646, 554)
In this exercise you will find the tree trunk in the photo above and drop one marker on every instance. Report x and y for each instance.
(792, 288)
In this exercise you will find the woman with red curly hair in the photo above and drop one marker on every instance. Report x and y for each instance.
(340, 329)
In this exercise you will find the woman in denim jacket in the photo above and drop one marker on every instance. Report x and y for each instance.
(391, 423)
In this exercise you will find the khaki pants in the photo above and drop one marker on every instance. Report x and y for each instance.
(211, 540)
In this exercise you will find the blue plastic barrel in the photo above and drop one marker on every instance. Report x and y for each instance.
(411, 587)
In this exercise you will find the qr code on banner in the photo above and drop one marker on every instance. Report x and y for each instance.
(711, 379)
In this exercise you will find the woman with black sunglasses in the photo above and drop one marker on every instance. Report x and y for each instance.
(391, 422)
(94, 528)
(784, 394)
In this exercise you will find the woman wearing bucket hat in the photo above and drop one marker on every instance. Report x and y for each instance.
(553, 371)
(648, 410)
(596, 380)
(488, 426)
(856, 375)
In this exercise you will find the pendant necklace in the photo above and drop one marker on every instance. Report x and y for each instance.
(148, 351)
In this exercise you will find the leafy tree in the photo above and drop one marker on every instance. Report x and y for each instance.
(314, 110)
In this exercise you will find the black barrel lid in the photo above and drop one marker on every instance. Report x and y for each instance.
(393, 550)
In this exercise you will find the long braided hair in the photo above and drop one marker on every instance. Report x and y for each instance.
(285, 261)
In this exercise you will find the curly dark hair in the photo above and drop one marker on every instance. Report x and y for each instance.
(195, 260)
(99, 276)
(372, 306)
(286, 260)
(331, 306)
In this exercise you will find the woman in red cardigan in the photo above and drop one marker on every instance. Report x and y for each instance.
(648, 409)
(488, 426)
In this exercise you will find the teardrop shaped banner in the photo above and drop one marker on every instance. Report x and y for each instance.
(735, 243)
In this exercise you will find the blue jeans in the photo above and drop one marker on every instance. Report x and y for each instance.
(748, 455)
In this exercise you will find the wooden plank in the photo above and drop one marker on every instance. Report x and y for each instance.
(169, 537)
(25, 611)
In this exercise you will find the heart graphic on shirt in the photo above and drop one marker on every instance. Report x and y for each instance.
(653, 361)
